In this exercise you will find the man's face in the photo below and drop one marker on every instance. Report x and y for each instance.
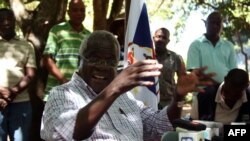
(214, 25)
(76, 11)
(161, 39)
(99, 68)
(7, 25)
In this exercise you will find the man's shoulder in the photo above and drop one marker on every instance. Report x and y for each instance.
(62, 92)
(198, 41)
(59, 26)
(174, 55)
(202, 38)
(226, 42)
(22, 42)
(171, 52)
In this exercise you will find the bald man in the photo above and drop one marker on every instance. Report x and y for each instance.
(62, 48)
(211, 50)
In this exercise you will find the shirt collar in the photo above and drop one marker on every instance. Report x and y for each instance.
(204, 39)
(2, 39)
(79, 82)
(71, 28)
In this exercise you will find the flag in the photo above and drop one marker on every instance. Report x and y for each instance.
(139, 46)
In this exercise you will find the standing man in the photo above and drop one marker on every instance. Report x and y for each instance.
(61, 54)
(172, 65)
(18, 65)
(211, 50)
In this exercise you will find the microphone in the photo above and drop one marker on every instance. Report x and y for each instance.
(183, 136)
(213, 128)
(188, 125)
(195, 130)
(189, 130)
(170, 136)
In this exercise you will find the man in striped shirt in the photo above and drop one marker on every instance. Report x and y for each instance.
(61, 54)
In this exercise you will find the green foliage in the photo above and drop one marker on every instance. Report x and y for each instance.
(236, 15)
(235, 12)
(3, 4)
(178, 11)
(31, 6)
(88, 22)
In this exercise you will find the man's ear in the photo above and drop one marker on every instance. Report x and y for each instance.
(205, 22)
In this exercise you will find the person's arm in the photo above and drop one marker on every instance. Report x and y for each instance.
(24, 83)
(89, 116)
(187, 83)
(10, 93)
(129, 78)
(53, 69)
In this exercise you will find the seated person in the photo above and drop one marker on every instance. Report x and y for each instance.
(96, 104)
(226, 102)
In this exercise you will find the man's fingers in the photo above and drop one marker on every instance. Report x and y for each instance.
(206, 77)
(145, 83)
(145, 74)
(144, 62)
(147, 63)
(200, 70)
(144, 66)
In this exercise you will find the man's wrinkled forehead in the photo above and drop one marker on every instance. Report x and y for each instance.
(100, 41)
(102, 47)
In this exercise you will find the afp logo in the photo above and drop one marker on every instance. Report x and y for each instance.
(241, 132)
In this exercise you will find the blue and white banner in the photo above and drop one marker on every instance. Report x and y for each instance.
(139, 46)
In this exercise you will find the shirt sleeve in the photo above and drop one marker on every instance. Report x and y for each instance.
(52, 43)
(31, 62)
(193, 58)
(155, 123)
